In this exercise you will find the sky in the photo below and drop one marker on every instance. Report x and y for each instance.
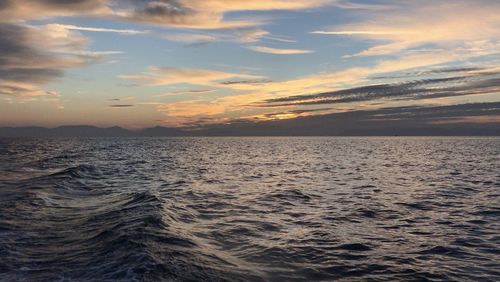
(192, 63)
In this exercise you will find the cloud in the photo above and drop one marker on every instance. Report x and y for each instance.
(191, 39)
(250, 97)
(284, 115)
(11, 89)
(14, 10)
(250, 35)
(196, 14)
(354, 32)
(238, 35)
(270, 50)
(121, 106)
(328, 81)
(175, 93)
(247, 96)
(411, 35)
(455, 26)
(408, 90)
(156, 76)
(122, 99)
(255, 35)
(248, 82)
(435, 71)
(481, 119)
(98, 29)
(33, 56)
(208, 14)
(181, 113)
(436, 113)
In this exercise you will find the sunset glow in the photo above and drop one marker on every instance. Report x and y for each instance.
(175, 63)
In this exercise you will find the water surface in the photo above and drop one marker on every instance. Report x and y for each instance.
(259, 209)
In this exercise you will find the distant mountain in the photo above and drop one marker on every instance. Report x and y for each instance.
(476, 119)
(62, 131)
(86, 131)
(296, 127)
(90, 131)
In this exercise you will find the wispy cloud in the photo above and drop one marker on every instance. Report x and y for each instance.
(121, 106)
(248, 82)
(284, 115)
(236, 35)
(441, 70)
(186, 92)
(98, 29)
(191, 38)
(249, 35)
(156, 76)
(354, 32)
(246, 35)
(409, 90)
(269, 50)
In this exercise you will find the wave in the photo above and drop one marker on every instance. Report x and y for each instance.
(121, 236)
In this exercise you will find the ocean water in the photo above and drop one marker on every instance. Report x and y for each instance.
(250, 209)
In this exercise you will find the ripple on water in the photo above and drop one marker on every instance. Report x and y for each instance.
(293, 209)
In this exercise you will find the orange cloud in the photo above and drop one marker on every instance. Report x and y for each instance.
(276, 51)
(453, 25)
(207, 14)
(247, 94)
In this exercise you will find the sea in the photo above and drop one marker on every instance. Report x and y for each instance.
(250, 209)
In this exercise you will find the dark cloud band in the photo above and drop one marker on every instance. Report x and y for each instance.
(410, 90)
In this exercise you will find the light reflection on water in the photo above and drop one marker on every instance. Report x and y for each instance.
(250, 209)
